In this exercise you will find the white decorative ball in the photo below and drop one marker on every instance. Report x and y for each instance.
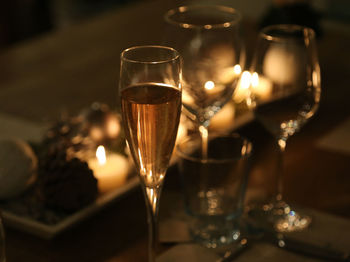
(18, 167)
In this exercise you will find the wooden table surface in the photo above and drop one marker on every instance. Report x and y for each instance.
(67, 70)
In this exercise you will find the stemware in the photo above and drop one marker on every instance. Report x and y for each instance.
(286, 60)
(208, 38)
(150, 92)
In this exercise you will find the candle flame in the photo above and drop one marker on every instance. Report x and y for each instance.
(255, 79)
(237, 69)
(209, 85)
(101, 155)
(246, 79)
(252, 85)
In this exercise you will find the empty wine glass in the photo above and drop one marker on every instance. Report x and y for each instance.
(208, 38)
(286, 61)
(150, 91)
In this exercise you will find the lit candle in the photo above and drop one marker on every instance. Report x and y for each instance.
(110, 169)
(249, 84)
(243, 87)
(261, 86)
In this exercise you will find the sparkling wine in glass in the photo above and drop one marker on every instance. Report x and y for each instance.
(208, 38)
(150, 92)
(286, 58)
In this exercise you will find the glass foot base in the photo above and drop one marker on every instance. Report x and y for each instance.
(280, 216)
(215, 236)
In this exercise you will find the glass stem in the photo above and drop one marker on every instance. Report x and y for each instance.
(282, 142)
(152, 195)
(203, 130)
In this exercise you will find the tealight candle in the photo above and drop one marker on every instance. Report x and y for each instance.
(243, 87)
(261, 86)
(255, 84)
(110, 169)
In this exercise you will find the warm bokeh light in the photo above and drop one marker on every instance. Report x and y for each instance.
(209, 85)
(237, 69)
(112, 126)
(255, 79)
(101, 155)
(246, 80)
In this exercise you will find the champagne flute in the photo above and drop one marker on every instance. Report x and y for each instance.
(286, 59)
(150, 92)
(208, 39)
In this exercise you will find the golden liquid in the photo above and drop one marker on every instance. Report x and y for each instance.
(151, 114)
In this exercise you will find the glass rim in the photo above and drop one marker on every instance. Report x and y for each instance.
(161, 61)
(265, 33)
(183, 9)
(186, 156)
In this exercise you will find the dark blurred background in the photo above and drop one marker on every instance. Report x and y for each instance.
(25, 19)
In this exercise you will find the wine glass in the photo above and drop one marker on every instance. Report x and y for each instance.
(208, 39)
(286, 62)
(150, 92)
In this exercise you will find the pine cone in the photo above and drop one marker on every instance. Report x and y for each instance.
(69, 136)
(66, 185)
